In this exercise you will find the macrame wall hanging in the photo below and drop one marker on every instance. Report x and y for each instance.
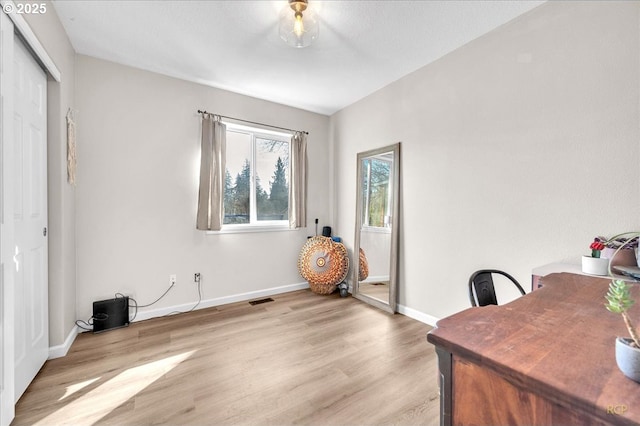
(71, 148)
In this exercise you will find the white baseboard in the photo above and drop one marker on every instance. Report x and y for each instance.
(417, 315)
(61, 350)
(409, 312)
(154, 313)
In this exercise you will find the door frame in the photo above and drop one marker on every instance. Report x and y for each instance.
(11, 25)
(31, 41)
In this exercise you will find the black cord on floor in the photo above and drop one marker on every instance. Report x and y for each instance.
(85, 325)
(88, 325)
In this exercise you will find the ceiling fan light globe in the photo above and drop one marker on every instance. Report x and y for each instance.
(298, 29)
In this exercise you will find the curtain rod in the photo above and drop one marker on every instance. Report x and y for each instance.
(252, 122)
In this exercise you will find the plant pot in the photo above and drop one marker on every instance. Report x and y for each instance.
(595, 265)
(624, 257)
(628, 358)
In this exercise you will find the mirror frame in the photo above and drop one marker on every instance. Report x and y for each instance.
(395, 209)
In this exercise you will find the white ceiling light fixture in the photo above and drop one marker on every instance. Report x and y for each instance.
(298, 24)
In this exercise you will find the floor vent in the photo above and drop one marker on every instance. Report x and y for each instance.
(260, 301)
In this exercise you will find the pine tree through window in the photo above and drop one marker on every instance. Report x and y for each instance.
(256, 177)
(376, 181)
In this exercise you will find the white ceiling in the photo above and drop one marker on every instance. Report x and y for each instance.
(234, 45)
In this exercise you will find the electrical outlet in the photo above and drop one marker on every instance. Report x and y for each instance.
(196, 277)
(172, 279)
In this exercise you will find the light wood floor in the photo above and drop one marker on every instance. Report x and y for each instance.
(302, 359)
(377, 290)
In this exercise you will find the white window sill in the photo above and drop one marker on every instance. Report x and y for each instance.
(242, 229)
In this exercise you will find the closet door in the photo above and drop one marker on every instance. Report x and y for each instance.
(31, 326)
(6, 222)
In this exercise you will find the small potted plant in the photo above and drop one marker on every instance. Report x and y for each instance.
(608, 252)
(594, 264)
(619, 301)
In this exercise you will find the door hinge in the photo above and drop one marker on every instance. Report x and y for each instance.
(44, 231)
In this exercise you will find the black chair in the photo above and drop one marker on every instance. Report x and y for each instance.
(481, 283)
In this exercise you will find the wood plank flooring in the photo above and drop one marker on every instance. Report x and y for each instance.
(377, 290)
(301, 359)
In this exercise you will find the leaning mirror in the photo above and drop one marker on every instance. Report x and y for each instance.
(376, 239)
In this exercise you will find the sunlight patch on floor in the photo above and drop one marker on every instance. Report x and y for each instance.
(90, 408)
(78, 386)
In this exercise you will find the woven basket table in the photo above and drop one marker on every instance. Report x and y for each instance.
(324, 263)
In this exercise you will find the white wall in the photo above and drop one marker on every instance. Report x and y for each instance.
(517, 149)
(504, 145)
(138, 161)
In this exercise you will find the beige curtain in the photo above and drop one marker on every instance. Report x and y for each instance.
(212, 170)
(298, 187)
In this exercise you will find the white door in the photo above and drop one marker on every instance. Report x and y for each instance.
(30, 218)
(6, 222)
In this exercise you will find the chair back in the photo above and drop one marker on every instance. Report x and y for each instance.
(481, 289)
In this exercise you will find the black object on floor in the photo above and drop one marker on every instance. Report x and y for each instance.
(111, 313)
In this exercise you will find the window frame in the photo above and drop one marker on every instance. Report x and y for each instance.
(386, 228)
(254, 225)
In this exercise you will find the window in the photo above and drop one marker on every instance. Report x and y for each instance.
(376, 178)
(256, 190)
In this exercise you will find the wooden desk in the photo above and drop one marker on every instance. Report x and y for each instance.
(545, 358)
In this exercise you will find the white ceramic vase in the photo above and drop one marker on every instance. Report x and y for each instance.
(595, 265)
